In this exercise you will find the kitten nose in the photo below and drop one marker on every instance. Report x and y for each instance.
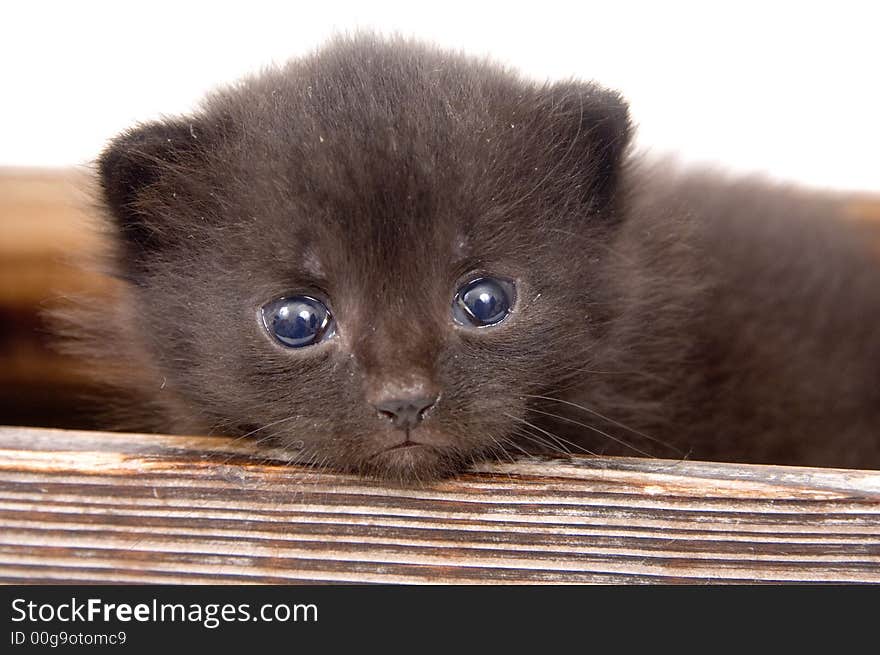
(405, 412)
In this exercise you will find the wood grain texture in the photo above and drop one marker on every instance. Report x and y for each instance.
(118, 508)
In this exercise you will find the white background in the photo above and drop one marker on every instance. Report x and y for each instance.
(790, 89)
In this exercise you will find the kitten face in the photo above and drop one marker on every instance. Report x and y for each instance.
(438, 221)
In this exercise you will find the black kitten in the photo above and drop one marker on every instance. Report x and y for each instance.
(395, 260)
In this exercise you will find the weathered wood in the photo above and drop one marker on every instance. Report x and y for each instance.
(98, 507)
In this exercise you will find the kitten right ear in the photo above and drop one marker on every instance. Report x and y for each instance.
(141, 171)
(588, 129)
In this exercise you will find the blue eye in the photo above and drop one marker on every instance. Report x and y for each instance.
(298, 321)
(483, 302)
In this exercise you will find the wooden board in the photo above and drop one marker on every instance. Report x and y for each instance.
(101, 507)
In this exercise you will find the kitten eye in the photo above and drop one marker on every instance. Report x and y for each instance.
(483, 302)
(298, 321)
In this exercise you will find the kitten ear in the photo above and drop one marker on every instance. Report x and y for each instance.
(141, 172)
(590, 131)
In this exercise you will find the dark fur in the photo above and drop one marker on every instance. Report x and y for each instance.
(727, 319)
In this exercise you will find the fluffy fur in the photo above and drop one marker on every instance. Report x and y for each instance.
(657, 313)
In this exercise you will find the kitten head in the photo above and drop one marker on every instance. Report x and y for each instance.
(372, 255)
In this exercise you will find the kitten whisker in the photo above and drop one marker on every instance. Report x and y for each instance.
(579, 449)
(594, 429)
(511, 443)
(555, 438)
(610, 420)
(547, 446)
(257, 442)
(552, 442)
(543, 443)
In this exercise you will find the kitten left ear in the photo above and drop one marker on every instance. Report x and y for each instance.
(144, 173)
(590, 131)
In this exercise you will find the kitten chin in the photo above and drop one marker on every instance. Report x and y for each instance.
(409, 463)
(403, 260)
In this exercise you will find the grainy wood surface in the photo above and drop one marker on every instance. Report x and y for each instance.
(99, 507)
